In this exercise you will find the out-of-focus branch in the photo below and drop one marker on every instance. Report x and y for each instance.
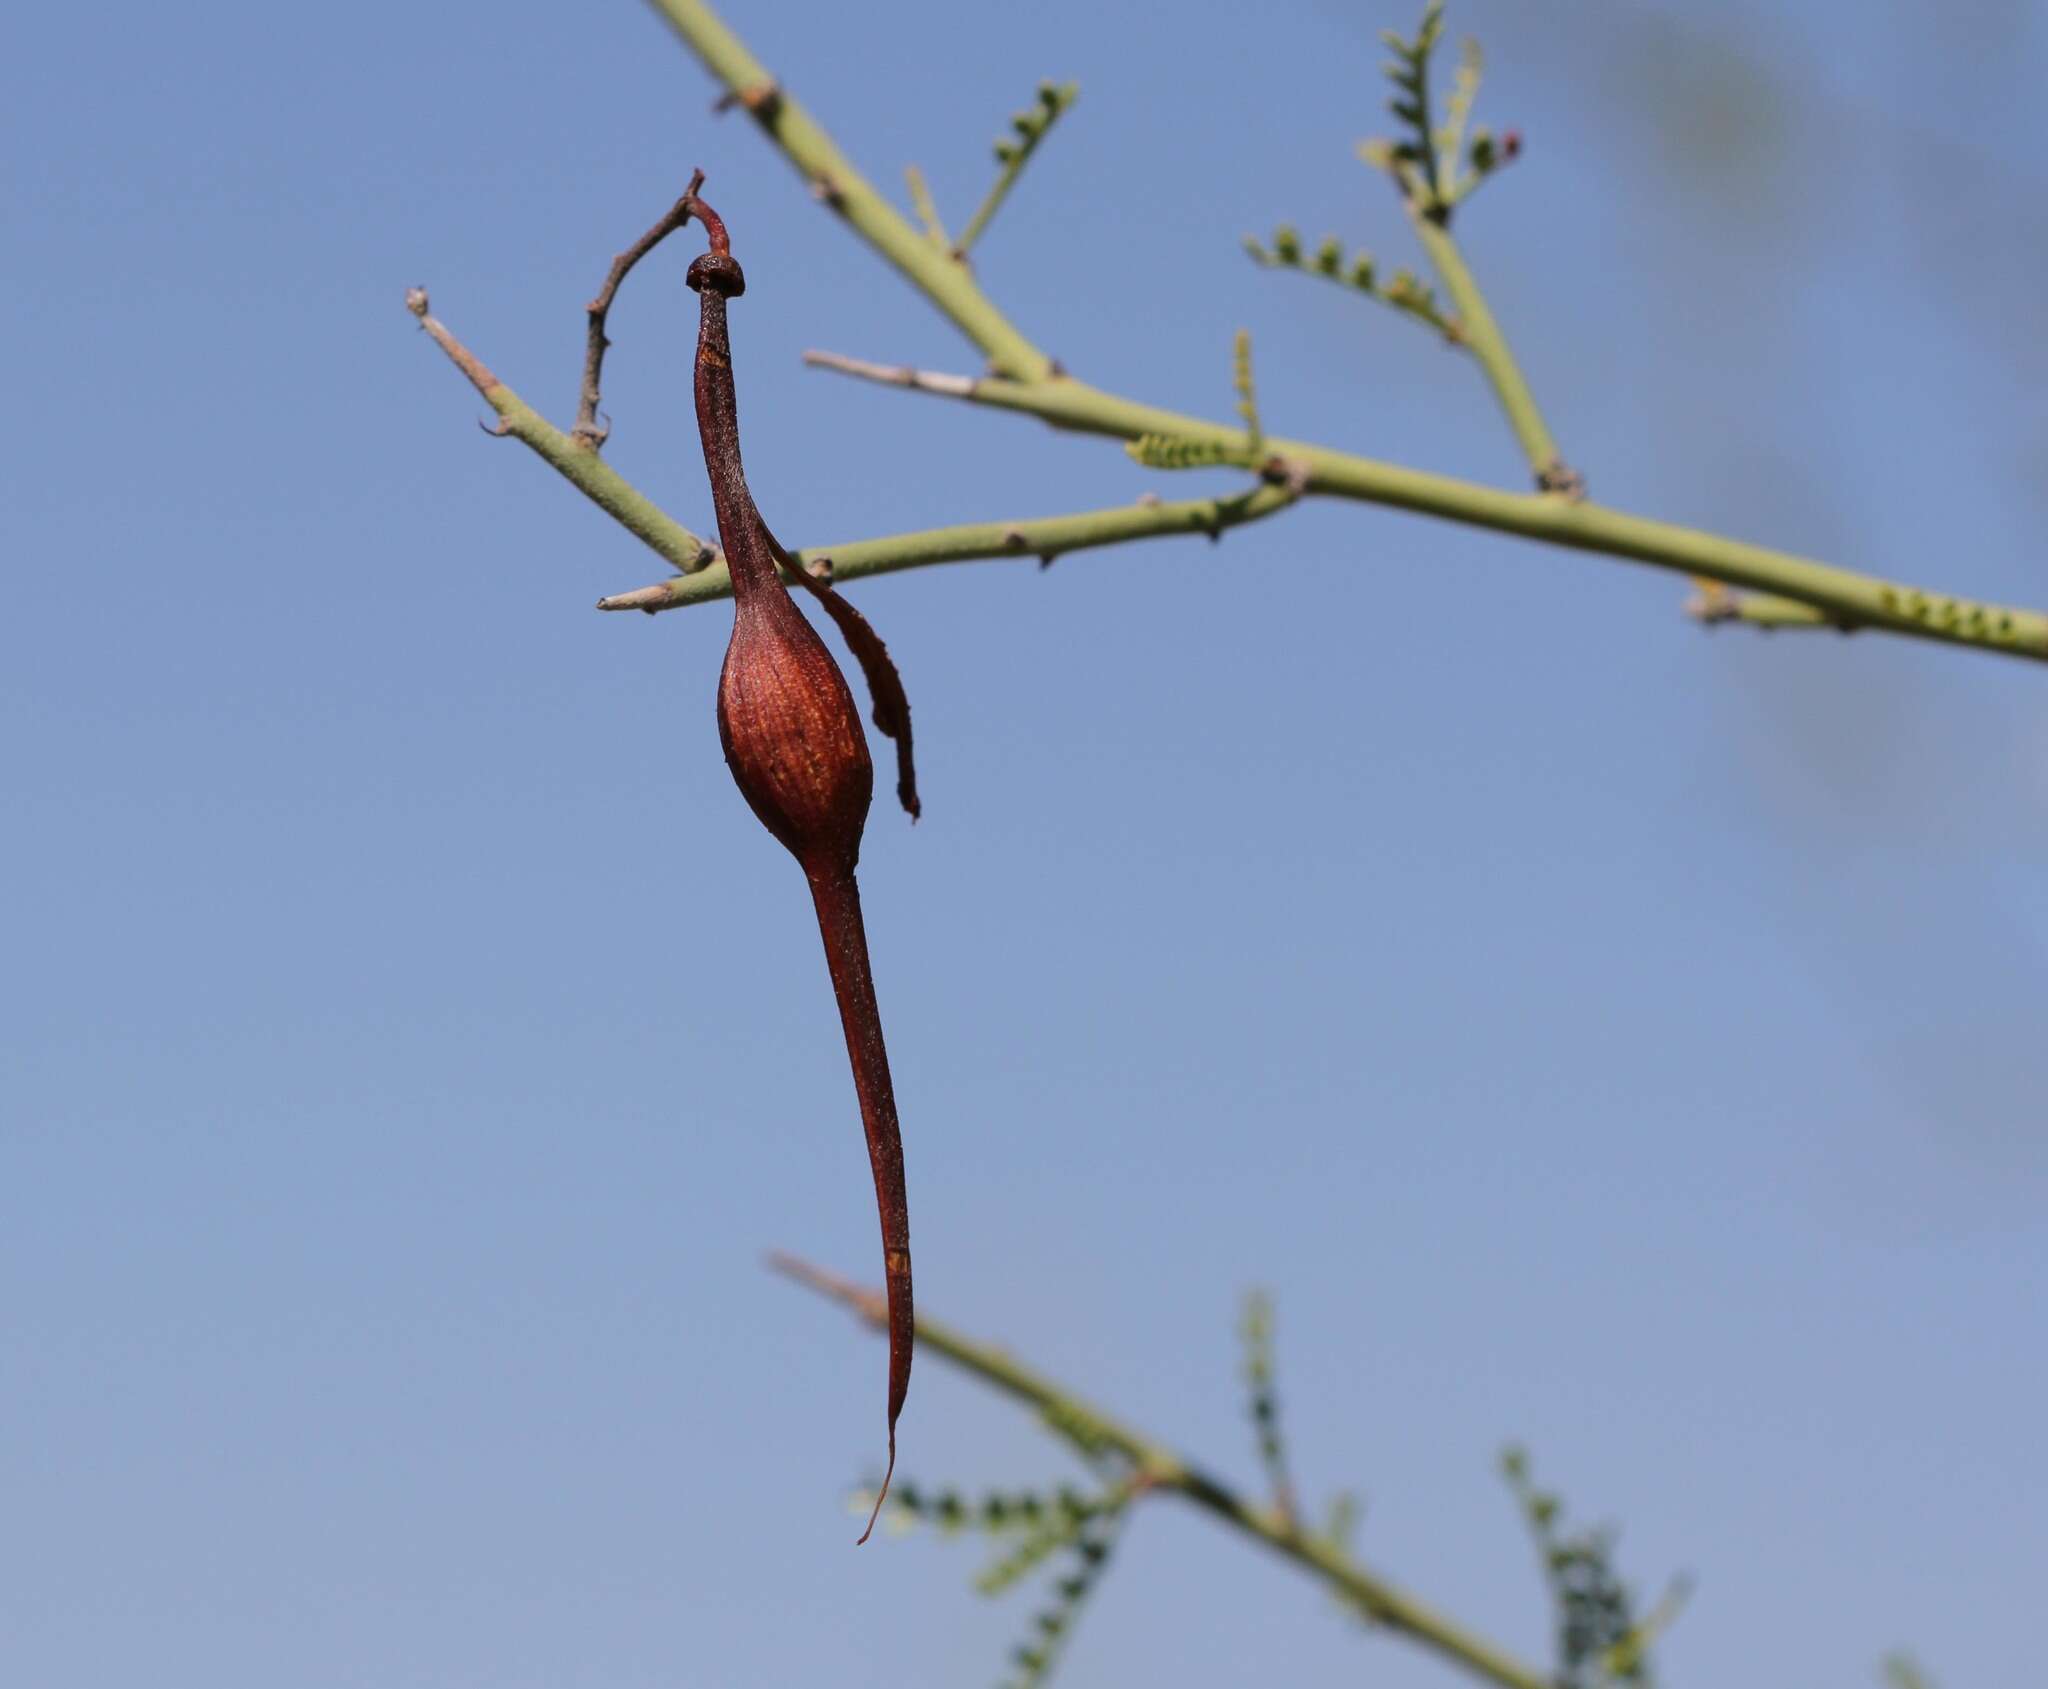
(1478, 330)
(1159, 1468)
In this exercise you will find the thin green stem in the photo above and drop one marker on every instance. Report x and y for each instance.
(1044, 537)
(1480, 332)
(991, 203)
(927, 207)
(1032, 127)
(941, 278)
(1840, 597)
(1160, 1468)
(576, 461)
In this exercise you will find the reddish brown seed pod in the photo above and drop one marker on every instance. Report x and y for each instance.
(793, 740)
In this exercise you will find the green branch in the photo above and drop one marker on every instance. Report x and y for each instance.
(1837, 597)
(1482, 334)
(1426, 170)
(578, 462)
(703, 574)
(1159, 1468)
(1843, 598)
(1795, 591)
(834, 180)
(1044, 537)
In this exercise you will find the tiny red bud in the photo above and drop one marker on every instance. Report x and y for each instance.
(1511, 144)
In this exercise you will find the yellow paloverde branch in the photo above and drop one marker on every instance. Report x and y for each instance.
(702, 574)
(1043, 537)
(1023, 378)
(1158, 1468)
(1833, 596)
(577, 461)
(1792, 591)
(836, 183)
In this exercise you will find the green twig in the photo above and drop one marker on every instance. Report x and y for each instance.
(1843, 598)
(836, 183)
(1044, 537)
(603, 485)
(1359, 273)
(1427, 173)
(1031, 127)
(927, 207)
(1482, 334)
(1159, 1468)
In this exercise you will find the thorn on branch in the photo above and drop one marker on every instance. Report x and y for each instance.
(1715, 602)
(762, 101)
(1712, 603)
(1561, 478)
(1293, 473)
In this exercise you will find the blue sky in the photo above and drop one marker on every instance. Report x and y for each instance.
(1595, 1032)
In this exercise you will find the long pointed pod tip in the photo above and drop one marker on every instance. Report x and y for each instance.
(884, 1495)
